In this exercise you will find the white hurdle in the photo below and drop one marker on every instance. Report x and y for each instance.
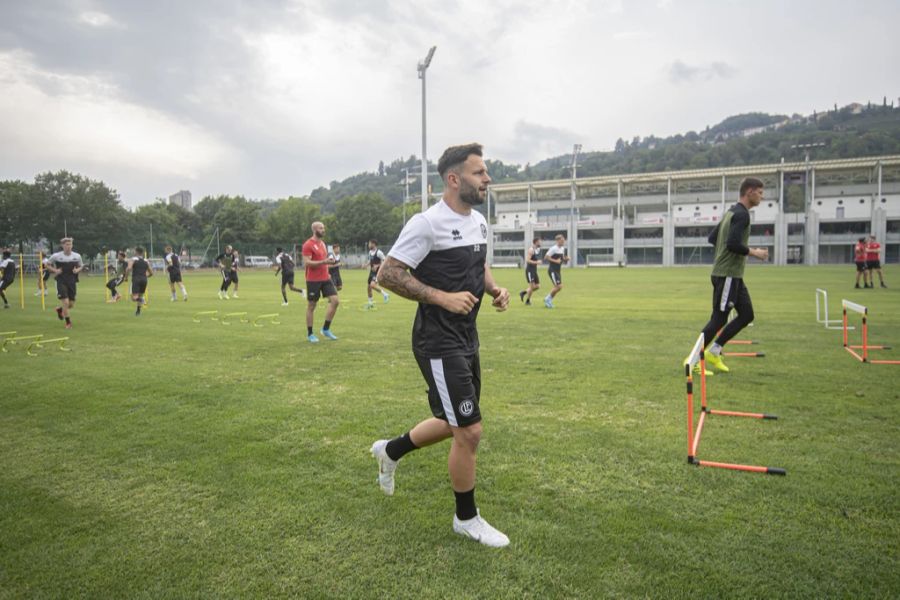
(823, 308)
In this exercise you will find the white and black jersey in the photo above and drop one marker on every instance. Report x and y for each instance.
(66, 263)
(376, 257)
(447, 251)
(173, 263)
(556, 251)
(535, 255)
(286, 262)
(9, 268)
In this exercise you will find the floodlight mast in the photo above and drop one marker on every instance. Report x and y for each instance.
(422, 67)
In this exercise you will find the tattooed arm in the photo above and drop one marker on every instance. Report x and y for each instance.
(395, 276)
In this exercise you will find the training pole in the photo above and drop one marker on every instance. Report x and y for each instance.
(22, 280)
(41, 281)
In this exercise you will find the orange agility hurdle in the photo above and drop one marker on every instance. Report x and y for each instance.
(693, 436)
(741, 343)
(865, 347)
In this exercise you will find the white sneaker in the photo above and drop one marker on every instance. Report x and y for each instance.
(481, 531)
(221, 295)
(386, 467)
(234, 295)
(173, 299)
(284, 303)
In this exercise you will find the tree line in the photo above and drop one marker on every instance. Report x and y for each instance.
(64, 203)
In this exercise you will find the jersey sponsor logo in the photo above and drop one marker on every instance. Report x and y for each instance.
(466, 408)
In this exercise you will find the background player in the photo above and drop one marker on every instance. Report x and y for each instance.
(8, 271)
(173, 266)
(140, 271)
(316, 260)
(119, 277)
(873, 261)
(556, 256)
(284, 263)
(376, 257)
(44, 276)
(226, 264)
(532, 261)
(334, 269)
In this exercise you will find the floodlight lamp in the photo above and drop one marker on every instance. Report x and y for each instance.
(427, 60)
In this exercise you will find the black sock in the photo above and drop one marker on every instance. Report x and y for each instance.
(68, 320)
(465, 505)
(284, 295)
(398, 447)
(309, 331)
(327, 325)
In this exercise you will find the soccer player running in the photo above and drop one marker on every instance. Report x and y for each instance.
(334, 269)
(8, 271)
(66, 265)
(226, 264)
(318, 283)
(556, 256)
(440, 261)
(119, 277)
(140, 271)
(532, 260)
(376, 257)
(859, 257)
(873, 261)
(284, 264)
(173, 267)
(730, 238)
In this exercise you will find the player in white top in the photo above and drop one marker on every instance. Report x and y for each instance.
(66, 265)
(556, 256)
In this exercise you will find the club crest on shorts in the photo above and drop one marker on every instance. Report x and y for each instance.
(466, 408)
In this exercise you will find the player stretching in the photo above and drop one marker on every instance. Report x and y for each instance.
(316, 260)
(440, 260)
(7, 275)
(66, 265)
(119, 277)
(226, 264)
(173, 266)
(730, 238)
(285, 264)
(334, 269)
(376, 257)
(532, 260)
(556, 256)
(140, 272)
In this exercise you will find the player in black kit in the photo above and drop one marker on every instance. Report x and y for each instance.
(119, 277)
(440, 260)
(66, 265)
(173, 266)
(284, 263)
(334, 269)
(532, 260)
(140, 273)
(8, 269)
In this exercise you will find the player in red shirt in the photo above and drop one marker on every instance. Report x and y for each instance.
(318, 281)
(859, 257)
(873, 261)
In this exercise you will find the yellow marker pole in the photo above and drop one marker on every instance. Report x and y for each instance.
(41, 280)
(21, 283)
(106, 271)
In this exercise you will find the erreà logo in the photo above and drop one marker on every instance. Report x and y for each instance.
(456, 235)
(466, 408)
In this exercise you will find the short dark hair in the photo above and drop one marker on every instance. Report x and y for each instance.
(373, 241)
(862, 240)
(750, 183)
(535, 240)
(457, 155)
(139, 250)
(278, 249)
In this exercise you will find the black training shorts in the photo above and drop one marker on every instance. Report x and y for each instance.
(531, 276)
(287, 278)
(860, 266)
(66, 289)
(175, 276)
(454, 388)
(314, 289)
(873, 264)
(138, 286)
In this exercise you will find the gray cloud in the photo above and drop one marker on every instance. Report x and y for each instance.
(680, 72)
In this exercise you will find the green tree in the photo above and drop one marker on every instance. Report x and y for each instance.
(290, 222)
(363, 217)
(21, 215)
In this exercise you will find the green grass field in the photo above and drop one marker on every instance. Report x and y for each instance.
(167, 458)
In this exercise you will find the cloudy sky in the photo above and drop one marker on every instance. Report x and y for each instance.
(270, 98)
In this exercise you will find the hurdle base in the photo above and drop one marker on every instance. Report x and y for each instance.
(734, 413)
(738, 467)
(745, 354)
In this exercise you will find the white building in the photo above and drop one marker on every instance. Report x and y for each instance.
(182, 199)
(664, 218)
